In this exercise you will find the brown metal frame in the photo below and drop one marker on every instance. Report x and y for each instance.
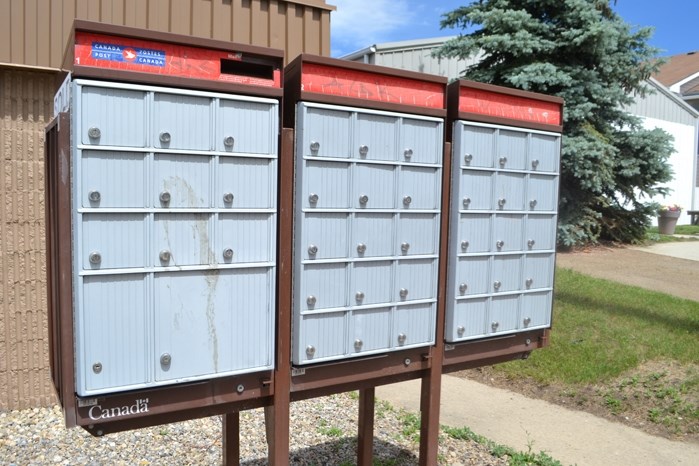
(57, 161)
(167, 403)
(274, 389)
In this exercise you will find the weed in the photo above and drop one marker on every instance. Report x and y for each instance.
(463, 433)
(528, 459)
(384, 462)
(613, 403)
(329, 431)
(515, 458)
(381, 408)
(630, 382)
(411, 425)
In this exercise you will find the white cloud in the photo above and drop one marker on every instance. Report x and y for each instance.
(361, 23)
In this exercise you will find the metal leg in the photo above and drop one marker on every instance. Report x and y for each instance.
(231, 439)
(429, 419)
(365, 443)
(277, 415)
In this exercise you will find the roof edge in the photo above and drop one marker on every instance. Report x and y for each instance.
(320, 4)
(664, 90)
(387, 46)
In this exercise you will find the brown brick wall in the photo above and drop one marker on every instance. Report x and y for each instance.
(26, 106)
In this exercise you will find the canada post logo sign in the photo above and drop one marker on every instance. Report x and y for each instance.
(125, 54)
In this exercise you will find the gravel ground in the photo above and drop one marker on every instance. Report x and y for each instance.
(323, 432)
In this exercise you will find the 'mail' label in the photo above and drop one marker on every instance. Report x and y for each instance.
(329, 80)
(493, 104)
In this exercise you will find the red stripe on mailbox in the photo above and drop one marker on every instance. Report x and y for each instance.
(508, 106)
(328, 80)
(162, 59)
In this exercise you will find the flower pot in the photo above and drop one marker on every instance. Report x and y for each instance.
(667, 221)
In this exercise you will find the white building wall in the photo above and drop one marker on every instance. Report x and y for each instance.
(682, 162)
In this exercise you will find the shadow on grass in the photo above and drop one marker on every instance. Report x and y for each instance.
(654, 316)
(343, 451)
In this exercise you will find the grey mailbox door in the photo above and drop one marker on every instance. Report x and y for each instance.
(502, 230)
(174, 215)
(368, 191)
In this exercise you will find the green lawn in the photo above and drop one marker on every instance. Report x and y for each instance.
(602, 329)
(629, 351)
(690, 230)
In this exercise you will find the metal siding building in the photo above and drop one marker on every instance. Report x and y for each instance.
(413, 55)
(666, 110)
(33, 38)
(662, 108)
(663, 104)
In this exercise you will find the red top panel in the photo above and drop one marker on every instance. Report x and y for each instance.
(500, 105)
(343, 82)
(162, 58)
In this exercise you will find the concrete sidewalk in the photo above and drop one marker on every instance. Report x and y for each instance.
(572, 437)
(682, 250)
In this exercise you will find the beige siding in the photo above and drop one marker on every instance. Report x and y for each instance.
(35, 32)
(26, 104)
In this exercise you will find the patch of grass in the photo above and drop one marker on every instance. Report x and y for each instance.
(687, 229)
(639, 348)
(613, 403)
(653, 235)
(680, 230)
(515, 458)
(384, 462)
(602, 329)
(411, 425)
(329, 431)
(381, 408)
(673, 408)
(657, 238)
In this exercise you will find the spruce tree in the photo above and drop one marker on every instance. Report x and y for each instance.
(583, 51)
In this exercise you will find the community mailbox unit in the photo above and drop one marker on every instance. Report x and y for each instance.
(204, 260)
(506, 147)
(367, 214)
(162, 175)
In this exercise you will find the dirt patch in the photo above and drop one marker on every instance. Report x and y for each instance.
(659, 398)
(678, 277)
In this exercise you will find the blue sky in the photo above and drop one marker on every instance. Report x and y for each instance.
(360, 23)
